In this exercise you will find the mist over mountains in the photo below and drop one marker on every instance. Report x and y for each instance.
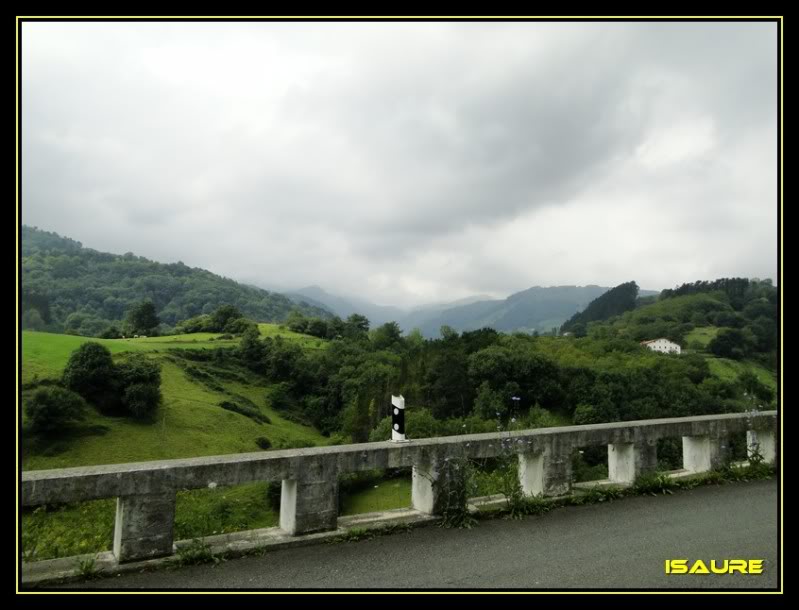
(535, 309)
(76, 289)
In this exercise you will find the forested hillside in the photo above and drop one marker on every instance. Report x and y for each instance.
(69, 288)
(733, 318)
(614, 302)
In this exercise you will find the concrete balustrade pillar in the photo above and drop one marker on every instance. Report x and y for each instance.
(646, 454)
(762, 442)
(547, 472)
(557, 469)
(429, 486)
(628, 461)
(144, 526)
(308, 506)
(425, 496)
(621, 462)
(531, 473)
(309, 502)
(703, 453)
(438, 481)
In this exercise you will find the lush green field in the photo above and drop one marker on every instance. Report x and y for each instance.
(304, 341)
(45, 354)
(731, 370)
(190, 423)
(724, 368)
(701, 335)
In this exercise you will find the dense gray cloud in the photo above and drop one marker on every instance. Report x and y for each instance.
(408, 162)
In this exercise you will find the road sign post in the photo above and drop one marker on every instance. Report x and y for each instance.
(398, 419)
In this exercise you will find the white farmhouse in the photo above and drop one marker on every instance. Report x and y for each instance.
(662, 345)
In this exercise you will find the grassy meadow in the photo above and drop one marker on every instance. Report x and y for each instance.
(189, 423)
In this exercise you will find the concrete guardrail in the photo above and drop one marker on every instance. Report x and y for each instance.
(146, 491)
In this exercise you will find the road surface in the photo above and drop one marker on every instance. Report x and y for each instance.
(622, 544)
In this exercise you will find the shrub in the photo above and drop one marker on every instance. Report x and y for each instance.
(730, 343)
(197, 324)
(139, 369)
(203, 377)
(244, 410)
(221, 316)
(239, 326)
(87, 568)
(655, 483)
(586, 414)
(142, 399)
(111, 332)
(51, 408)
(139, 380)
(263, 442)
(280, 397)
(91, 373)
(195, 553)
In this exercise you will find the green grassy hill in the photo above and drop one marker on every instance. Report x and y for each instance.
(673, 318)
(731, 370)
(693, 321)
(68, 287)
(190, 423)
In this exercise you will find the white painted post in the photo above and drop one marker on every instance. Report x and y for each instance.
(398, 419)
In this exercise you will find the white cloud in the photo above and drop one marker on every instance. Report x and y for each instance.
(688, 141)
(408, 162)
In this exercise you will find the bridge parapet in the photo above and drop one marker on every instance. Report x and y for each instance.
(146, 491)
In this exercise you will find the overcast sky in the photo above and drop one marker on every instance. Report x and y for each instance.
(409, 162)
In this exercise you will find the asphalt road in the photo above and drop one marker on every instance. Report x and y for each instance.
(622, 544)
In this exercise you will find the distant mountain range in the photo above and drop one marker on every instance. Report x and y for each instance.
(345, 306)
(537, 308)
(67, 287)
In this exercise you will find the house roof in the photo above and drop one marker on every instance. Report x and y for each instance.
(658, 339)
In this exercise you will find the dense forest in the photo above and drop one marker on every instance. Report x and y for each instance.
(461, 379)
(613, 303)
(471, 376)
(77, 290)
(738, 323)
